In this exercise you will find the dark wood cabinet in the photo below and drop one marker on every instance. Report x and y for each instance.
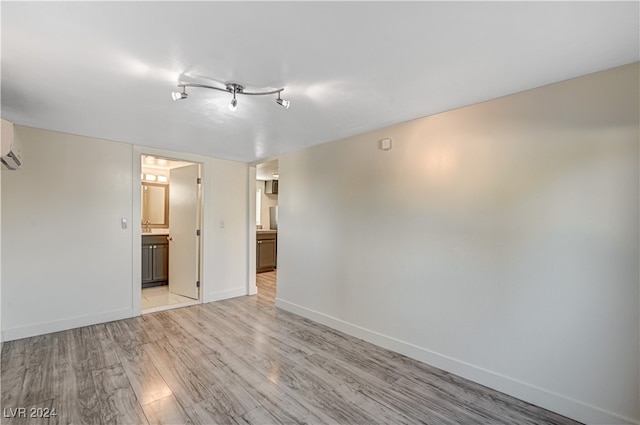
(147, 263)
(266, 251)
(271, 187)
(155, 260)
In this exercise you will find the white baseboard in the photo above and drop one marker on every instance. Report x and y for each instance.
(64, 324)
(223, 295)
(79, 321)
(253, 289)
(558, 403)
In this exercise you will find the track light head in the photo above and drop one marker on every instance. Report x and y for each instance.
(234, 88)
(176, 95)
(233, 105)
(284, 103)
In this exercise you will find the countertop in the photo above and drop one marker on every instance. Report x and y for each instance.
(266, 231)
(157, 232)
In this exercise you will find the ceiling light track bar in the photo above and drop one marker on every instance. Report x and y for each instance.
(229, 89)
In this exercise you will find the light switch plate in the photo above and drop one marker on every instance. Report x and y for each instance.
(124, 223)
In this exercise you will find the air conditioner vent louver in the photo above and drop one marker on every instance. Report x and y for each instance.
(11, 151)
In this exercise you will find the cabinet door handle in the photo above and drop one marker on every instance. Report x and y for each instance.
(154, 247)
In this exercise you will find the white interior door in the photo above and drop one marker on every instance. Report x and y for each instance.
(184, 244)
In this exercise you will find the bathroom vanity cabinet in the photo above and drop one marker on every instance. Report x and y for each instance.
(155, 260)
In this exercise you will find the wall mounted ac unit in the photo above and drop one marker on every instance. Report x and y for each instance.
(10, 149)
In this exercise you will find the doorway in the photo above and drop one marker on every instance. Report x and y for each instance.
(267, 191)
(171, 217)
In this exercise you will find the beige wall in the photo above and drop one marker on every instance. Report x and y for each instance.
(66, 260)
(227, 259)
(498, 241)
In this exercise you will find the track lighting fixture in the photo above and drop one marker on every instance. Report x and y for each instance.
(234, 89)
(284, 103)
(176, 95)
(233, 105)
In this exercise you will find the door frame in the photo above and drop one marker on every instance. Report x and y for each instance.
(136, 227)
(252, 289)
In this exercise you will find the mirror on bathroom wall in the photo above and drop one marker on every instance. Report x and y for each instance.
(155, 205)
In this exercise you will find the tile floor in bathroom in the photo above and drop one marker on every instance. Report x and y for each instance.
(159, 298)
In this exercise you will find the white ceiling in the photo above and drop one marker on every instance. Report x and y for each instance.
(107, 69)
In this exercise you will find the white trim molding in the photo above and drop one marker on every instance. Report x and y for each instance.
(224, 295)
(65, 324)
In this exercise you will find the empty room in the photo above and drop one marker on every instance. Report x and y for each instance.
(320, 212)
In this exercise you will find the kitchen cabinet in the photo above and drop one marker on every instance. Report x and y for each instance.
(266, 251)
(271, 187)
(155, 260)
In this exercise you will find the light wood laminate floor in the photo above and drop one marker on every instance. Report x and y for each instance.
(237, 361)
